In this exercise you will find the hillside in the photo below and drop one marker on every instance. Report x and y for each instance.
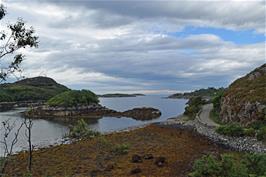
(207, 93)
(31, 89)
(245, 99)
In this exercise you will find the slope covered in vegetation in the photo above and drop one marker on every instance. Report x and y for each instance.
(206, 93)
(32, 89)
(245, 99)
(73, 98)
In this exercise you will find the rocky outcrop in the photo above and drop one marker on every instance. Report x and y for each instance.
(245, 99)
(90, 111)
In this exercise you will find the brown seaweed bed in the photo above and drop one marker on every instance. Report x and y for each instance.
(96, 157)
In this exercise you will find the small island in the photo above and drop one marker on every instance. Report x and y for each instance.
(75, 104)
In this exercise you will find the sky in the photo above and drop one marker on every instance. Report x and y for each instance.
(151, 47)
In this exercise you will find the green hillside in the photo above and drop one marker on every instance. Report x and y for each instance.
(32, 89)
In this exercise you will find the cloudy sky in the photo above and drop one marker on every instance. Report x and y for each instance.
(142, 46)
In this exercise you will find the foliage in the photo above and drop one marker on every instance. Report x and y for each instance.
(230, 165)
(208, 92)
(231, 130)
(193, 106)
(81, 131)
(249, 132)
(15, 37)
(73, 98)
(30, 89)
(261, 134)
(121, 149)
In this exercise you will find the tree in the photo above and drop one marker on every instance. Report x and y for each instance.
(15, 37)
(9, 131)
(28, 124)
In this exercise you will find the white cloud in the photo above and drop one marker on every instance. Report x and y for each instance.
(127, 47)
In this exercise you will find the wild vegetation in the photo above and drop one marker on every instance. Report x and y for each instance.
(73, 98)
(194, 106)
(230, 165)
(30, 89)
(81, 130)
(207, 93)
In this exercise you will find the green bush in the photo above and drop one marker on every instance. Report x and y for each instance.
(261, 134)
(121, 149)
(231, 130)
(73, 98)
(193, 106)
(249, 132)
(81, 130)
(230, 165)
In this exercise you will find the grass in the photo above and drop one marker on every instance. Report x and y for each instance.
(96, 155)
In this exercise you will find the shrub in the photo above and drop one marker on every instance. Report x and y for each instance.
(231, 130)
(230, 165)
(81, 130)
(121, 149)
(193, 106)
(73, 98)
(249, 132)
(261, 134)
(256, 163)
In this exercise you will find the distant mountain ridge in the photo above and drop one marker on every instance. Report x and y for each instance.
(31, 89)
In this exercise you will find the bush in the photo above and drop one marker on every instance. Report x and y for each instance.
(249, 132)
(230, 165)
(73, 98)
(261, 134)
(231, 130)
(193, 106)
(81, 130)
(121, 149)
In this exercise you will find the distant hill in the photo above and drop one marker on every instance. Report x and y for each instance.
(245, 99)
(31, 89)
(112, 95)
(205, 93)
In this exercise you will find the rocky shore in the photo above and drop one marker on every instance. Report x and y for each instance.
(247, 144)
(90, 111)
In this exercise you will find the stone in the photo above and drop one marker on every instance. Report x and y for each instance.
(136, 159)
(135, 171)
(160, 161)
(148, 156)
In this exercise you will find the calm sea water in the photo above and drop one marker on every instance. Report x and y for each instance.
(46, 132)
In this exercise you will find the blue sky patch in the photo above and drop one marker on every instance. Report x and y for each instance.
(237, 37)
